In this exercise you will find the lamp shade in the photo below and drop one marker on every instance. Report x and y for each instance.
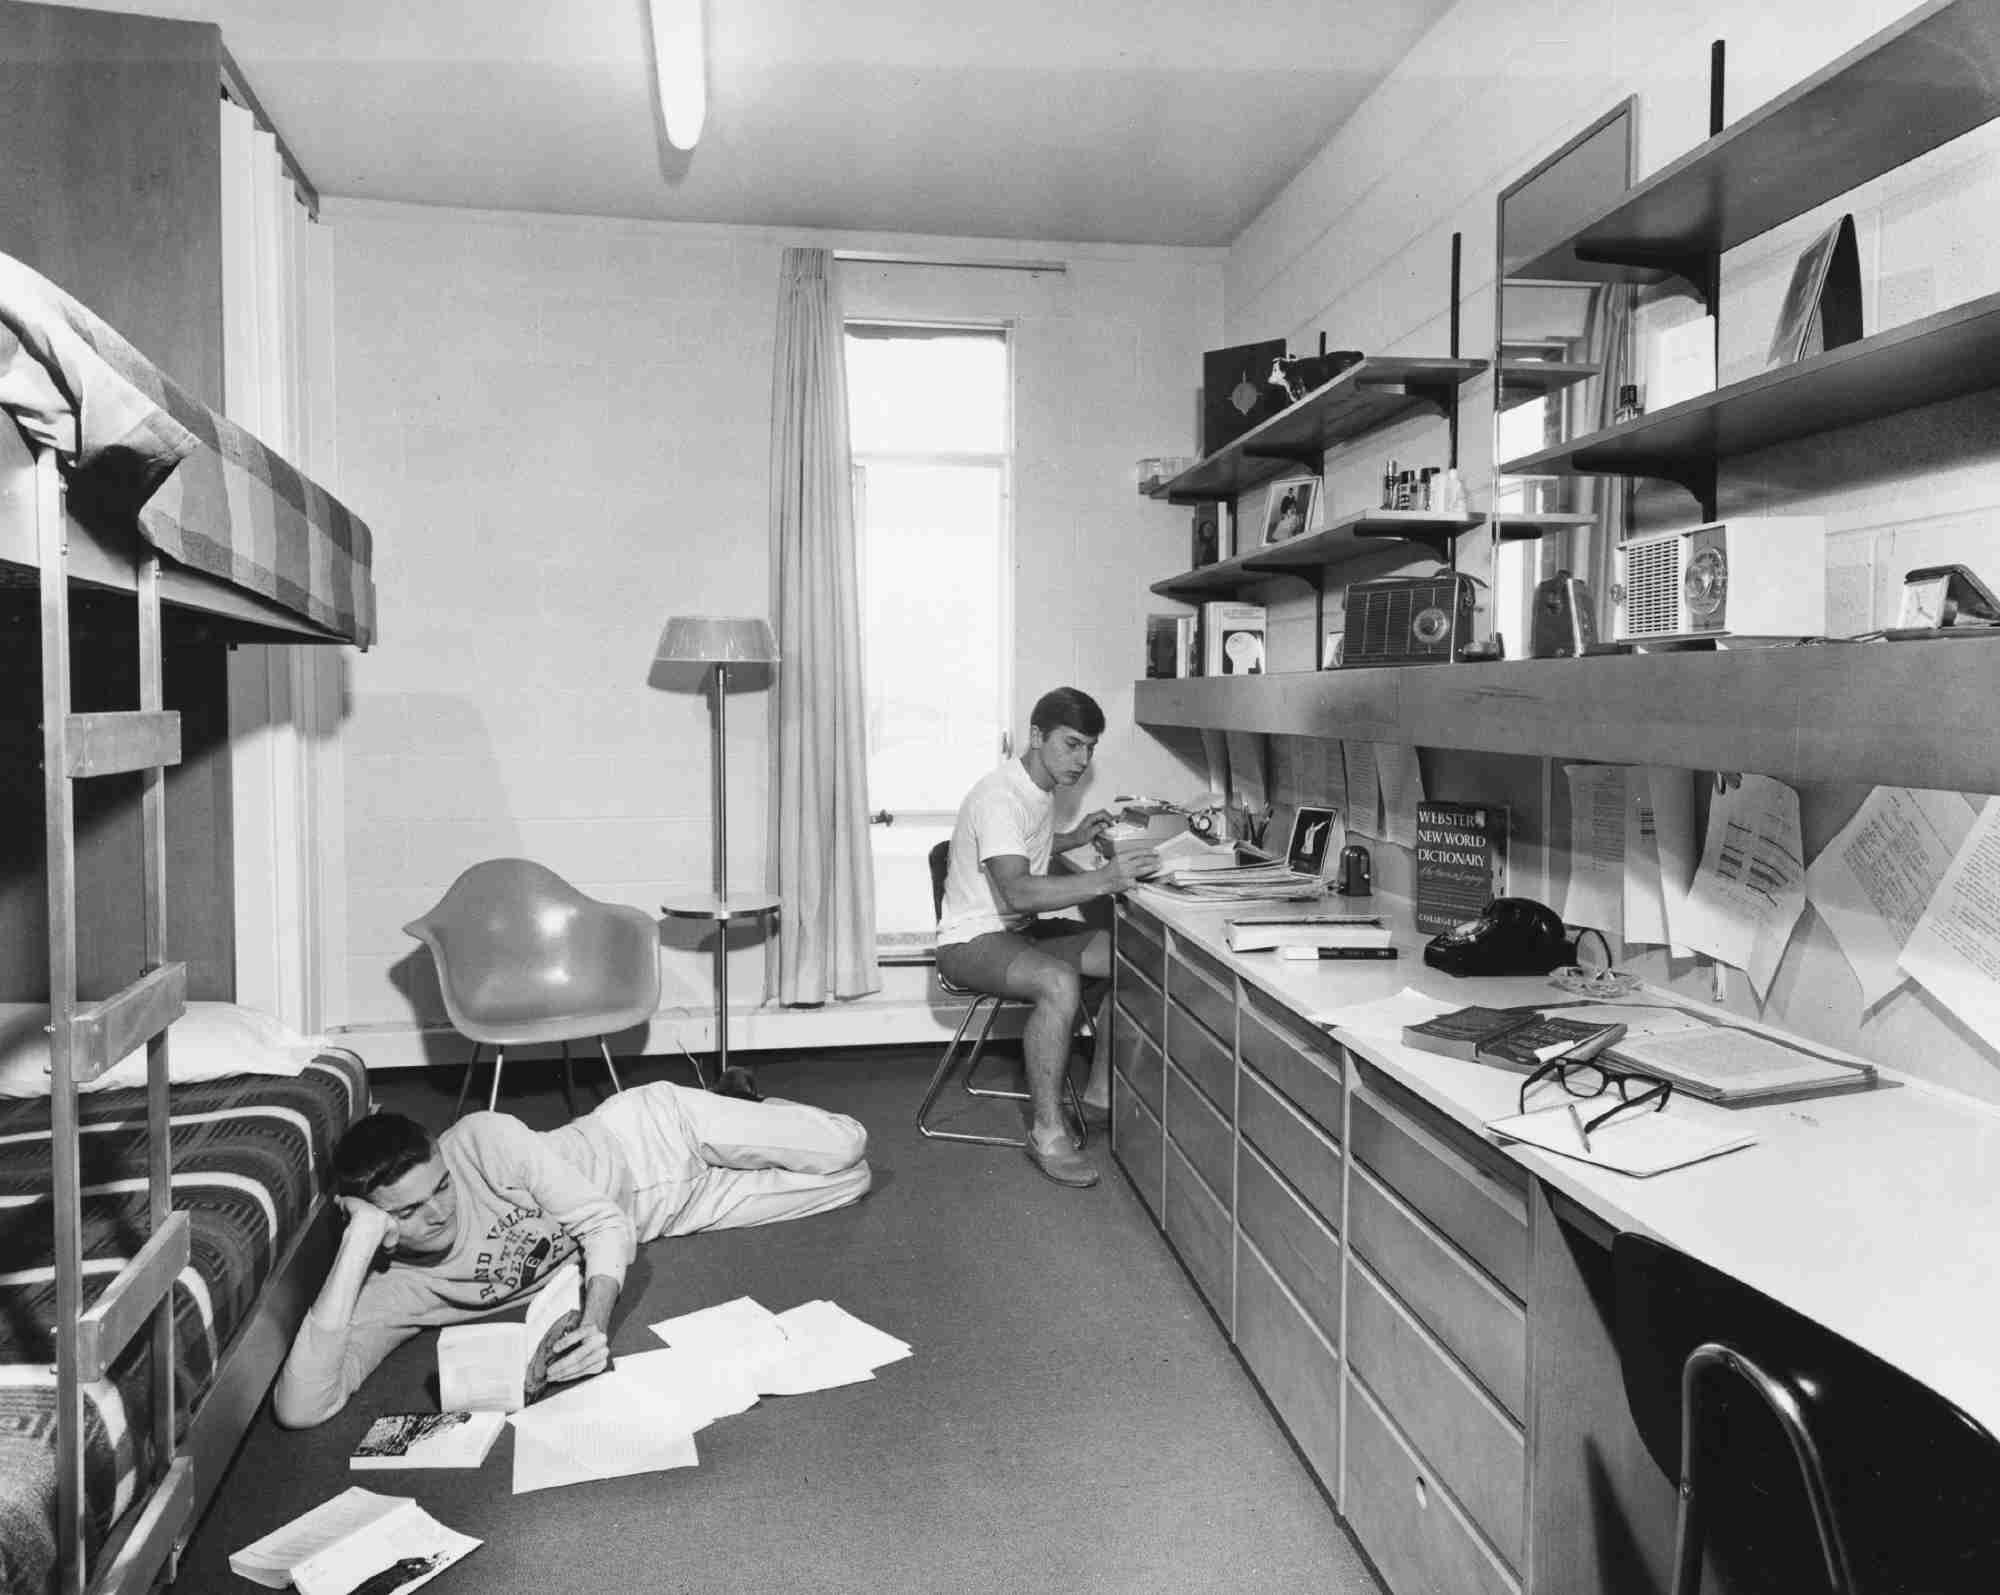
(716, 639)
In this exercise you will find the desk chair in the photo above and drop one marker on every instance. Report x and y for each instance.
(1817, 1465)
(523, 957)
(957, 1053)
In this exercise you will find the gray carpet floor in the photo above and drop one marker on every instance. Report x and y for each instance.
(1071, 1419)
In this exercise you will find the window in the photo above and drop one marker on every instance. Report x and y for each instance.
(931, 421)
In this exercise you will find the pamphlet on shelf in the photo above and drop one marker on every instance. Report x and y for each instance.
(343, 1544)
(428, 1440)
(503, 1367)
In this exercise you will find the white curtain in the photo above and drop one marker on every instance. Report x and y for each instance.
(825, 946)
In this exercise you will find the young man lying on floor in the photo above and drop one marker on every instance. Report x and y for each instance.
(444, 1229)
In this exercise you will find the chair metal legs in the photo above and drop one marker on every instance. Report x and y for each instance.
(956, 1052)
(1712, 1360)
(500, 1063)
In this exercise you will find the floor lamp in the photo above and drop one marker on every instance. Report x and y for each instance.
(719, 642)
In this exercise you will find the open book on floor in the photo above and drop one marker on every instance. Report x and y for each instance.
(383, 1544)
(503, 1367)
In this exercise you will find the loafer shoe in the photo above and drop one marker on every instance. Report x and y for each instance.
(1066, 1165)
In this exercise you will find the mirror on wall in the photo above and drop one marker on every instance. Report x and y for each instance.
(1562, 350)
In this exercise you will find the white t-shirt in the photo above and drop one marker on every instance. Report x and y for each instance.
(1004, 813)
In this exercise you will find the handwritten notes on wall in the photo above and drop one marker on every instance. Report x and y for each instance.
(1955, 949)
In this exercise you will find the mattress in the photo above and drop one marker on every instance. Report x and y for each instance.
(252, 1155)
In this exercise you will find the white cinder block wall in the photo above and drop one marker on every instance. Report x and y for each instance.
(559, 430)
(1358, 246)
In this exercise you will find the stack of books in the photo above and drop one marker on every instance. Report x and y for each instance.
(1326, 933)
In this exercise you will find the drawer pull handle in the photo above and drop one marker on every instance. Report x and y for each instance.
(1423, 1493)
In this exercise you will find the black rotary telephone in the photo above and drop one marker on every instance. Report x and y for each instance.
(1514, 936)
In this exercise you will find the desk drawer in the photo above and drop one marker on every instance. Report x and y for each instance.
(1137, 1057)
(1201, 986)
(1139, 1002)
(1138, 1143)
(1138, 943)
(1299, 1370)
(1302, 1065)
(1198, 1225)
(1293, 1145)
(1207, 1060)
(1470, 1445)
(1477, 1199)
(1476, 1321)
(1417, 1537)
(1204, 1135)
(1299, 1247)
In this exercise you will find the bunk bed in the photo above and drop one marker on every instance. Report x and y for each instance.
(159, 1240)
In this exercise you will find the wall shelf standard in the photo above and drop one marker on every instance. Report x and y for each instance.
(1836, 712)
(1307, 557)
(1364, 398)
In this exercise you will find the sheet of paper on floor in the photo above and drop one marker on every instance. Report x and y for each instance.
(549, 1460)
(1750, 889)
(833, 1328)
(1597, 862)
(1872, 882)
(1401, 779)
(1955, 949)
(1364, 788)
(742, 1334)
(697, 1389)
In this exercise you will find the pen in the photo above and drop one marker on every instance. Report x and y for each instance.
(1582, 1134)
(1307, 954)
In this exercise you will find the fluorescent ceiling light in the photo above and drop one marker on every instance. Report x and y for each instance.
(680, 66)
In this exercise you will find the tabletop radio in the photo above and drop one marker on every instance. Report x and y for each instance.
(1408, 620)
(1749, 576)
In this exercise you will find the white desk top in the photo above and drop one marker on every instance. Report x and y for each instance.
(1876, 1213)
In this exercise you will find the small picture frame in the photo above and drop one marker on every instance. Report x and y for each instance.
(1312, 831)
(1290, 504)
(1207, 546)
(1822, 308)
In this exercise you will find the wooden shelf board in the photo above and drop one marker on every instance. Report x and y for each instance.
(1379, 390)
(1522, 381)
(1306, 556)
(1943, 356)
(1833, 713)
(1919, 83)
(1522, 528)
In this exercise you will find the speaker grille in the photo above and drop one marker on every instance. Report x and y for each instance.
(1653, 588)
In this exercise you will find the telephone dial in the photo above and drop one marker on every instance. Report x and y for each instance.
(1513, 936)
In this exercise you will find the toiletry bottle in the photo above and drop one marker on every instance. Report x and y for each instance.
(1389, 486)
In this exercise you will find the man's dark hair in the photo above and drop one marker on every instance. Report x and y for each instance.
(379, 1151)
(1066, 706)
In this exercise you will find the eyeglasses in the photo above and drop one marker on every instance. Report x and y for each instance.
(1636, 1093)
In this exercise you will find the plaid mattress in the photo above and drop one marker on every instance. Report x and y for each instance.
(251, 1158)
(204, 491)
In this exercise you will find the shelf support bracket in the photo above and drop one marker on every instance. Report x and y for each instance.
(1307, 459)
(1697, 477)
(1439, 396)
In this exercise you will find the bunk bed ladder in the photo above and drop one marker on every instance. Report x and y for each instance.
(85, 1040)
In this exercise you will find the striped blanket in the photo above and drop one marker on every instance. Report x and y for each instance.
(251, 1155)
(204, 491)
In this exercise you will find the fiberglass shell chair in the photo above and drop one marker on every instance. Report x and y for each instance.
(524, 958)
(959, 1052)
(1804, 1462)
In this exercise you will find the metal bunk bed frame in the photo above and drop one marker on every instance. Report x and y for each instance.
(85, 1040)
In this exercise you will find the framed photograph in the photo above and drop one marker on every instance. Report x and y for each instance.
(1289, 503)
(1207, 544)
(1312, 830)
(1822, 308)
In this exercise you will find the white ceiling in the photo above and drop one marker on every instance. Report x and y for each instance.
(1134, 121)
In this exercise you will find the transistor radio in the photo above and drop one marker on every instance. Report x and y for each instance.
(1746, 577)
(1408, 620)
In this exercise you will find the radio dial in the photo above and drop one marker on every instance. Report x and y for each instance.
(1706, 582)
(1430, 626)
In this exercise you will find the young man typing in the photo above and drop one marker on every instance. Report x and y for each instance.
(990, 938)
(476, 1220)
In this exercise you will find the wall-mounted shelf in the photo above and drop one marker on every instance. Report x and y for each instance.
(1365, 397)
(1525, 528)
(1521, 381)
(1307, 557)
(1841, 713)
(1917, 84)
(1943, 356)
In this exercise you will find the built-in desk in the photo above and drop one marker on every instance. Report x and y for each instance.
(1428, 1311)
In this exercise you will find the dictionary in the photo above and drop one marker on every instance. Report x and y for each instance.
(1461, 862)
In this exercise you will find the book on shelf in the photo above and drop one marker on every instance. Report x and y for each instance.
(1260, 933)
(1724, 1063)
(1232, 639)
(1461, 862)
(503, 1367)
(1461, 1033)
(428, 1440)
(1163, 647)
(358, 1540)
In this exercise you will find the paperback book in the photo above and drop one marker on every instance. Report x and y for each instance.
(503, 1367)
(1461, 862)
(1232, 639)
(428, 1440)
(1461, 1033)
(1258, 933)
